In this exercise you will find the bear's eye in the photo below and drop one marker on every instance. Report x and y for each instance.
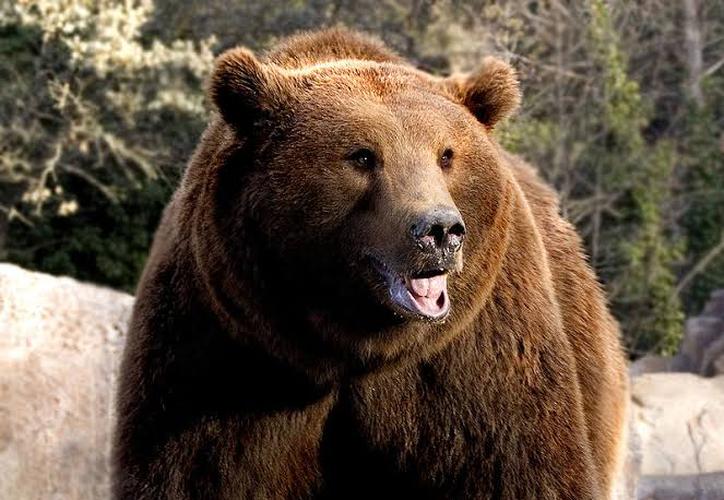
(364, 158)
(446, 158)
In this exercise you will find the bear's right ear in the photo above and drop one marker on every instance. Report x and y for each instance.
(244, 89)
(491, 93)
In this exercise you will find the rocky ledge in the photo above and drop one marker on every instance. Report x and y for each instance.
(60, 342)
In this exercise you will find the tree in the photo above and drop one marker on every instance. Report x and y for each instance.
(93, 116)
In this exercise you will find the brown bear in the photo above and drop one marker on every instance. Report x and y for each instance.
(357, 293)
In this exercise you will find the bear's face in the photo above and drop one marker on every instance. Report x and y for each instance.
(371, 186)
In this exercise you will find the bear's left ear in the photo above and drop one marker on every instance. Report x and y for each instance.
(491, 92)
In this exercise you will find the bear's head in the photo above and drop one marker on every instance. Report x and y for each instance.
(360, 204)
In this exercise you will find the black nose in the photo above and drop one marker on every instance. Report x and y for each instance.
(441, 228)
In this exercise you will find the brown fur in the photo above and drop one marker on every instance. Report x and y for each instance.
(263, 360)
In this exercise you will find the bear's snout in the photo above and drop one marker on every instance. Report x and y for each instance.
(438, 230)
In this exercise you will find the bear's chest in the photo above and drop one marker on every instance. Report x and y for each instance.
(406, 436)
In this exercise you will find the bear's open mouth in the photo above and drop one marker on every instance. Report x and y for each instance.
(424, 294)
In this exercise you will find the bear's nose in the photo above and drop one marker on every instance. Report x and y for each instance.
(441, 228)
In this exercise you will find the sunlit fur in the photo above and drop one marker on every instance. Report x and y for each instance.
(264, 359)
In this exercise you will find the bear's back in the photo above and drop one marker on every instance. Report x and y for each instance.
(590, 328)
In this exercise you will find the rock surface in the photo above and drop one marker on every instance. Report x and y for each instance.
(678, 418)
(686, 487)
(60, 343)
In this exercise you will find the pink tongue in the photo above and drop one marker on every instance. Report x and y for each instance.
(429, 294)
(428, 287)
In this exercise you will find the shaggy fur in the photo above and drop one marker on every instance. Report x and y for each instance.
(264, 359)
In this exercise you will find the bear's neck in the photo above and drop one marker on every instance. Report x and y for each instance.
(240, 295)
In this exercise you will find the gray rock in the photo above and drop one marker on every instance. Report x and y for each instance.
(650, 364)
(686, 487)
(678, 419)
(60, 342)
(701, 332)
(680, 363)
(712, 363)
(717, 367)
(715, 306)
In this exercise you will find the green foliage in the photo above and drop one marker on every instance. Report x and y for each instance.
(640, 266)
(703, 195)
(104, 242)
(532, 137)
(93, 124)
(647, 303)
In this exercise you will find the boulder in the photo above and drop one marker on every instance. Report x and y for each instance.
(678, 418)
(651, 363)
(715, 306)
(60, 342)
(700, 334)
(712, 362)
(703, 343)
(717, 366)
(686, 487)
